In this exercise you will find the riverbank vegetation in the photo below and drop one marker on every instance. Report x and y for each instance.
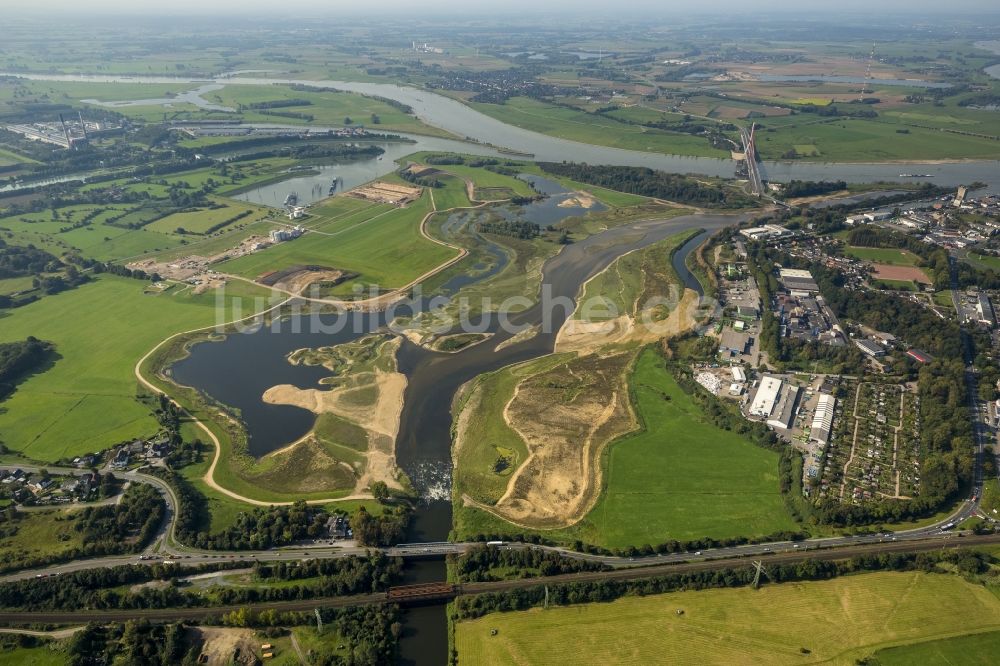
(656, 184)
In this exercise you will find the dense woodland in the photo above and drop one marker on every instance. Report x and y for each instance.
(258, 529)
(134, 642)
(650, 183)
(809, 188)
(514, 228)
(20, 359)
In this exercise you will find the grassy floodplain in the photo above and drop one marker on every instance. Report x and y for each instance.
(578, 125)
(386, 249)
(678, 478)
(86, 401)
(837, 621)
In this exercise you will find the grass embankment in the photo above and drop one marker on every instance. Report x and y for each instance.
(836, 621)
(86, 401)
(678, 478)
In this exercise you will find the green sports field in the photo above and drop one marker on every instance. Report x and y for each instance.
(831, 622)
(86, 401)
(883, 255)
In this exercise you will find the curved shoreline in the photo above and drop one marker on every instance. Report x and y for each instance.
(372, 303)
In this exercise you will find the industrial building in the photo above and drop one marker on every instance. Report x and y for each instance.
(65, 133)
(798, 282)
(775, 401)
(279, 235)
(822, 423)
(766, 232)
(870, 348)
(738, 374)
(985, 310)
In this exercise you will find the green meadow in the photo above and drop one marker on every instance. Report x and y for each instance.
(385, 249)
(578, 125)
(85, 401)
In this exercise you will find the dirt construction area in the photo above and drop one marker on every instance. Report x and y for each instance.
(902, 273)
(222, 647)
(565, 416)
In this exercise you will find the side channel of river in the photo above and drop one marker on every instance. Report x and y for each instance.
(423, 448)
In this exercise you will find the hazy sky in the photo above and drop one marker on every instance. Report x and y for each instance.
(478, 7)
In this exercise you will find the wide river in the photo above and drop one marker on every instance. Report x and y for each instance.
(463, 121)
(423, 447)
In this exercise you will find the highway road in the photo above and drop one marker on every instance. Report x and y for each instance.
(165, 548)
(632, 573)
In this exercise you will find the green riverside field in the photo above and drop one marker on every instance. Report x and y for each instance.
(836, 621)
(382, 244)
(679, 478)
(86, 401)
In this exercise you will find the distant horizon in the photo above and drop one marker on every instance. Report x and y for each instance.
(516, 8)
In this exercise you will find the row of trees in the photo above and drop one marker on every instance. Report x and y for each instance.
(124, 587)
(483, 563)
(966, 561)
(650, 183)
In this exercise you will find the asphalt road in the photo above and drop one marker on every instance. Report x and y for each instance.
(634, 573)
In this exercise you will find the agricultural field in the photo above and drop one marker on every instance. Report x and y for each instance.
(867, 140)
(387, 250)
(678, 478)
(86, 401)
(974, 650)
(208, 220)
(789, 623)
(325, 107)
(578, 125)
